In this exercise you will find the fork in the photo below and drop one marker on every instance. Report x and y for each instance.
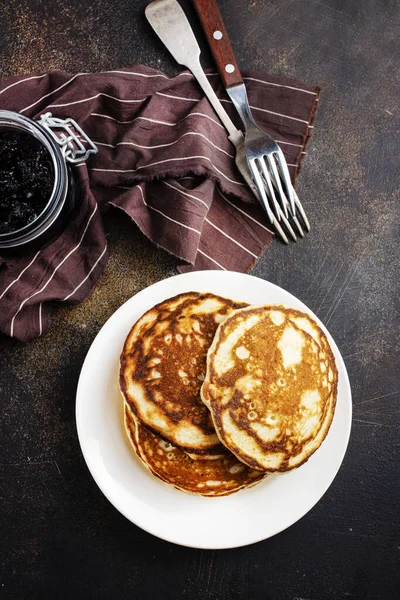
(265, 159)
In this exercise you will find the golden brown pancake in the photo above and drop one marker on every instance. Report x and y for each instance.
(271, 386)
(163, 365)
(219, 477)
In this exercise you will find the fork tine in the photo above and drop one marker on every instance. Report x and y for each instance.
(301, 210)
(299, 228)
(281, 232)
(277, 182)
(286, 179)
(260, 186)
(294, 218)
(286, 223)
(264, 200)
(271, 192)
(265, 180)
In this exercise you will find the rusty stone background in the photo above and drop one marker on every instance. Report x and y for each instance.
(60, 538)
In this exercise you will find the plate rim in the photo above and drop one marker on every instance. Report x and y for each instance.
(113, 498)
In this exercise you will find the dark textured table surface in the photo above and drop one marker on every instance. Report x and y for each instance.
(60, 537)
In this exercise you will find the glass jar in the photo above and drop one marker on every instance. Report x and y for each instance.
(64, 148)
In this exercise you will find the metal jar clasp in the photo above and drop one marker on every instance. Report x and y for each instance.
(70, 137)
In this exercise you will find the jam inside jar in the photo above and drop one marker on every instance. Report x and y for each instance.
(26, 179)
(37, 186)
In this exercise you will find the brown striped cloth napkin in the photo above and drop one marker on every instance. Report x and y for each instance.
(165, 160)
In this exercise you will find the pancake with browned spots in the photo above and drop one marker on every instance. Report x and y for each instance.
(163, 365)
(219, 477)
(271, 386)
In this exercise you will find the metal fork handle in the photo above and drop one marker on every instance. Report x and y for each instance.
(238, 95)
(217, 37)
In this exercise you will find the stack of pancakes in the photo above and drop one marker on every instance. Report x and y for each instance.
(218, 394)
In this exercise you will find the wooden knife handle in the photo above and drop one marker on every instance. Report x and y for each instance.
(218, 40)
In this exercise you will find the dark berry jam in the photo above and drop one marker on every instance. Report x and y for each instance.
(26, 179)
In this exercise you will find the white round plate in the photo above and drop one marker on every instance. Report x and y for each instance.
(228, 522)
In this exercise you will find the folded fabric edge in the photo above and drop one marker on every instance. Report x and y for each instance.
(174, 173)
(185, 268)
(159, 246)
(307, 135)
